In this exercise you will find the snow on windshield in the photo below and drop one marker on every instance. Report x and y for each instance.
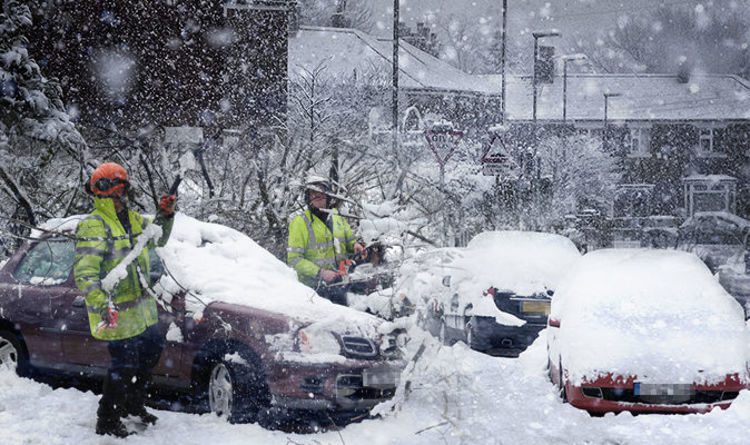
(659, 315)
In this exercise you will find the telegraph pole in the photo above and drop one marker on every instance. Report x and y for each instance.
(504, 36)
(394, 100)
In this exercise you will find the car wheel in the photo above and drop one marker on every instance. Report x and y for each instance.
(237, 389)
(12, 354)
(221, 391)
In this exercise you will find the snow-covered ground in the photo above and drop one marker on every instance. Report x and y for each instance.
(457, 396)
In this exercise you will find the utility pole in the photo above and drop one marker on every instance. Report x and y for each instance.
(394, 100)
(504, 37)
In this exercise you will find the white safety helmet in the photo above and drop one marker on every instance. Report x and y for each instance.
(317, 183)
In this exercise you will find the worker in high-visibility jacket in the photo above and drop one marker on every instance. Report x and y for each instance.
(126, 317)
(319, 238)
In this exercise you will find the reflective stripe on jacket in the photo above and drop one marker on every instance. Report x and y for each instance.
(311, 245)
(101, 244)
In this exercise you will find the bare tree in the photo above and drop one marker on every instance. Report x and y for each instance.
(42, 155)
(673, 38)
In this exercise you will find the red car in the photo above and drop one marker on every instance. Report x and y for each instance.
(645, 330)
(235, 359)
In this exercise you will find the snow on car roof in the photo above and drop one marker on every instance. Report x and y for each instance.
(222, 264)
(517, 261)
(656, 314)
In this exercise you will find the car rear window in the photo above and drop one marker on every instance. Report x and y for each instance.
(47, 263)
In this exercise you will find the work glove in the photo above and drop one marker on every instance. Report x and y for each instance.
(329, 276)
(167, 205)
(110, 317)
(360, 251)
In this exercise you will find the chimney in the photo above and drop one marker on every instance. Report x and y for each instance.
(684, 69)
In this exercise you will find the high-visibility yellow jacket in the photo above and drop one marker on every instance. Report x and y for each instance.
(101, 244)
(312, 246)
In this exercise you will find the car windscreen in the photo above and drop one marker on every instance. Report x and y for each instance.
(48, 262)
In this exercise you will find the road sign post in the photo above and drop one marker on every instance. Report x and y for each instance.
(443, 140)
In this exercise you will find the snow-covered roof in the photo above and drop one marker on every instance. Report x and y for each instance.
(704, 97)
(347, 51)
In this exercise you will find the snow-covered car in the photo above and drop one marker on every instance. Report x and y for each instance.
(244, 337)
(735, 279)
(714, 237)
(646, 330)
(496, 292)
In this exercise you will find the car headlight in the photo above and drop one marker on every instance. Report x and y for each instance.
(314, 341)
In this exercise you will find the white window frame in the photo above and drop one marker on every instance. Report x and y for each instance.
(702, 136)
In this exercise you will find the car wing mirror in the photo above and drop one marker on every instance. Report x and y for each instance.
(553, 322)
(447, 281)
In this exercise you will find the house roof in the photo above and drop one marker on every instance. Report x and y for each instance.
(345, 51)
(644, 97)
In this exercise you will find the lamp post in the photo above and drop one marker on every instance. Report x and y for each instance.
(566, 59)
(538, 35)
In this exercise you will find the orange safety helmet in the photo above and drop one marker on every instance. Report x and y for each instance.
(109, 178)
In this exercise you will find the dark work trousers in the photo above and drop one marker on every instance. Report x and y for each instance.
(124, 389)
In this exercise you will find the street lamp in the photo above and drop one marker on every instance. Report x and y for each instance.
(566, 59)
(538, 35)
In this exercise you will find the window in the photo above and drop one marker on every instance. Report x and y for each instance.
(48, 263)
(707, 193)
(706, 140)
(639, 142)
(591, 132)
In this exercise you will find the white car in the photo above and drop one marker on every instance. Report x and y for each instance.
(646, 330)
(496, 292)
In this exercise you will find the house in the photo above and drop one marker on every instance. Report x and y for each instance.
(683, 142)
(427, 85)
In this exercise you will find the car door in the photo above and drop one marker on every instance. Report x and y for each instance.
(172, 324)
(40, 276)
(81, 349)
(63, 336)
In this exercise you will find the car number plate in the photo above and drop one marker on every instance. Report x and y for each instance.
(535, 307)
(662, 389)
(380, 377)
